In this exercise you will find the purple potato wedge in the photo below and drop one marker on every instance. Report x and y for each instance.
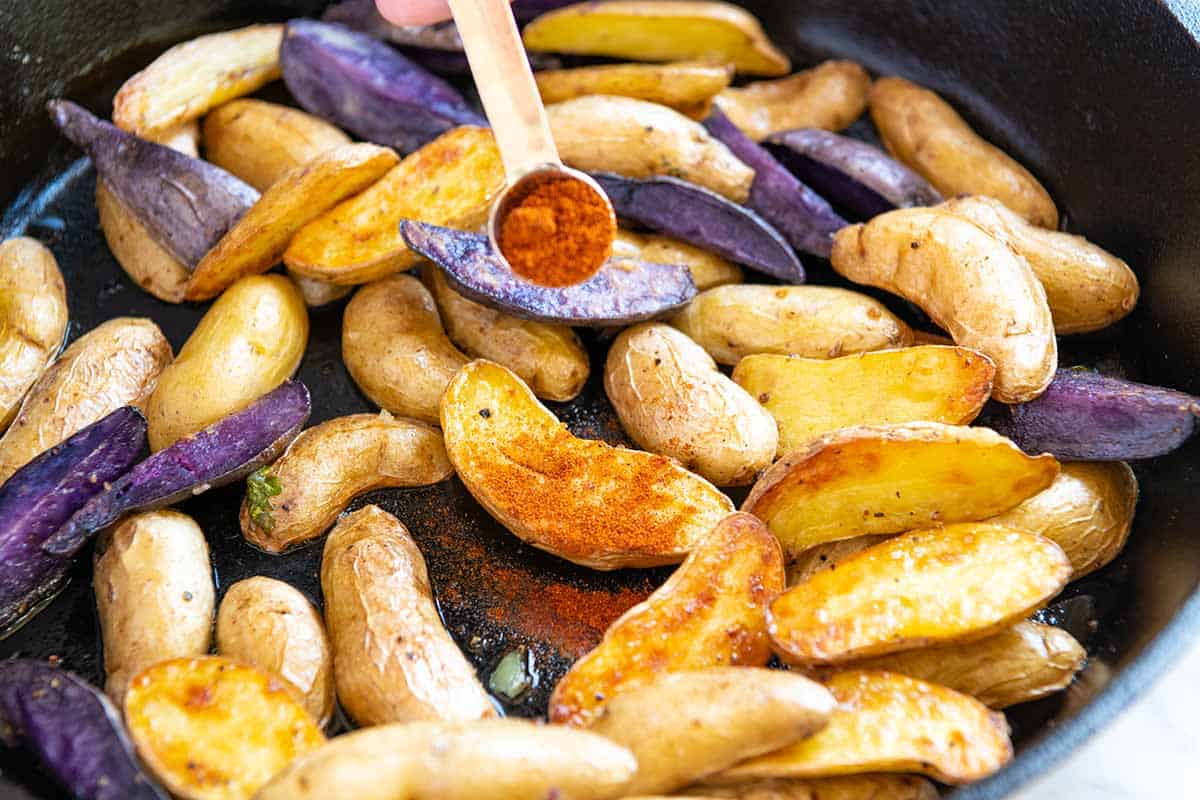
(224, 452)
(186, 204)
(804, 218)
(705, 219)
(1086, 416)
(42, 495)
(364, 86)
(856, 176)
(73, 730)
(621, 292)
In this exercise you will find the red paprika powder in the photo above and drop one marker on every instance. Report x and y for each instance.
(558, 233)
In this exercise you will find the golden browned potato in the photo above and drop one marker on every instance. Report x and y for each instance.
(686, 86)
(830, 95)
(247, 343)
(842, 787)
(550, 358)
(606, 133)
(810, 396)
(298, 497)
(672, 400)
(708, 269)
(709, 613)
(892, 723)
(319, 293)
(33, 319)
(1018, 664)
(450, 181)
(501, 759)
(893, 478)
(1087, 287)
(588, 502)
(154, 594)
(268, 624)
(260, 142)
(184, 138)
(828, 556)
(392, 659)
(955, 584)
(732, 322)
(115, 364)
(213, 729)
(972, 285)
(683, 726)
(145, 261)
(923, 131)
(1088, 511)
(660, 31)
(395, 348)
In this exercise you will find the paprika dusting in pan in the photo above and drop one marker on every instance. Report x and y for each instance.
(558, 232)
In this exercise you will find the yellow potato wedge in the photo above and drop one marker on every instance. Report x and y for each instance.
(686, 86)
(892, 723)
(829, 556)
(678, 30)
(183, 138)
(972, 285)
(144, 260)
(450, 181)
(923, 131)
(550, 358)
(1088, 511)
(260, 142)
(212, 729)
(893, 478)
(1087, 287)
(732, 322)
(709, 613)
(843, 787)
(33, 319)
(186, 81)
(503, 759)
(708, 269)
(830, 96)
(257, 241)
(606, 133)
(809, 397)
(596, 505)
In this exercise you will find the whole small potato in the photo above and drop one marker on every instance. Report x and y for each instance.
(33, 318)
(249, 341)
(673, 400)
(115, 364)
(392, 659)
(831, 95)
(395, 348)
(708, 268)
(268, 624)
(154, 594)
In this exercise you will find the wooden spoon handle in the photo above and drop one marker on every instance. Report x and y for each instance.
(505, 83)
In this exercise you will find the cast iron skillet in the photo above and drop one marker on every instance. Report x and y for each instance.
(1099, 105)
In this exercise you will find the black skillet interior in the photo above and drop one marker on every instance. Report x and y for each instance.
(1099, 105)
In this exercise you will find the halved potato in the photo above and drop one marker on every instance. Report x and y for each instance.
(709, 613)
(319, 293)
(893, 478)
(708, 268)
(33, 319)
(843, 787)
(144, 260)
(257, 241)
(830, 96)
(212, 729)
(659, 31)
(829, 556)
(891, 723)
(450, 181)
(588, 502)
(190, 78)
(959, 583)
(686, 86)
(809, 396)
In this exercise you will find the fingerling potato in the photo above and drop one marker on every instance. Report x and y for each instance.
(269, 625)
(154, 594)
(298, 497)
(148, 264)
(732, 322)
(709, 613)
(829, 96)
(672, 400)
(593, 504)
(392, 659)
(247, 343)
(708, 269)
(845, 787)
(319, 293)
(395, 348)
(686, 86)
(829, 556)
(33, 319)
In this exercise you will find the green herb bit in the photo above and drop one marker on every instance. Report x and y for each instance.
(261, 486)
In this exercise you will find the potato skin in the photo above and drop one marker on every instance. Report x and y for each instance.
(672, 400)
(395, 348)
(154, 594)
(33, 319)
(843, 787)
(688, 87)
(829, 556)
(248, 342)
(830, 96)
(115, 364)
(392, 659)
(144, 260)
(708, 268)
(270, 625)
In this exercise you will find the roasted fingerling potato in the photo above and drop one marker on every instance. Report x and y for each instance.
(708, 269)
(148, 264)
(686, 86)
(880, 786)
(33, 319)
(829, 96)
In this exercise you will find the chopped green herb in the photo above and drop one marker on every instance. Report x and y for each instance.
(261, 486)
(510, 679)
